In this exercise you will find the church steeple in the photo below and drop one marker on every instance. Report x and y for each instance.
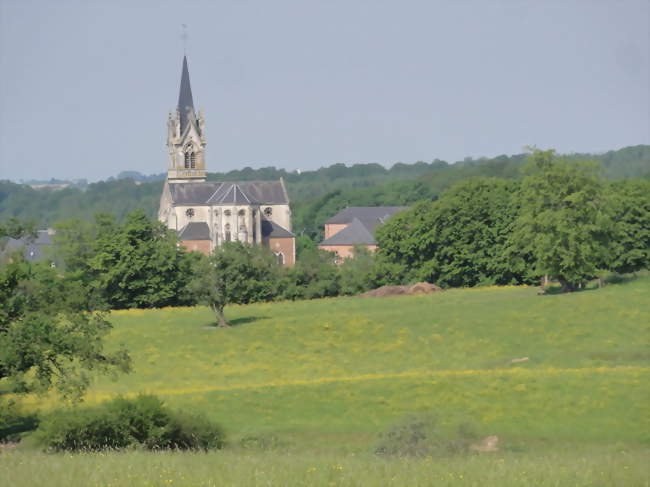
(185, 101)
(186, 137)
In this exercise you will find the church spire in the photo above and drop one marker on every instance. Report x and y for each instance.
(185, 101)
(186, 136)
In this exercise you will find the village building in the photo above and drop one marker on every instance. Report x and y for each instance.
(208, 213)
(355, 227)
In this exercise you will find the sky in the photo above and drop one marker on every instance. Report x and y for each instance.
(86, 86)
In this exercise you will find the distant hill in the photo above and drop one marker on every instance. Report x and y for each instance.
(315, 195)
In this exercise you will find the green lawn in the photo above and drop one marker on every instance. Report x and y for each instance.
(323, 378)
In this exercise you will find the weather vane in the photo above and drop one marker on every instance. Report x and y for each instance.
(184, 36)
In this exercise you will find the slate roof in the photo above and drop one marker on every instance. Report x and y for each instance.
(195, 231)
(235, 193)
(356, 233)
(272, 229)
(34, 250)
(370, 216)
(185, 100)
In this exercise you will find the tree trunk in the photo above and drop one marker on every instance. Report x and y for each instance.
(567, 287)
(221, 318)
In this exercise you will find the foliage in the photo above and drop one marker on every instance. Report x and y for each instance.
(420, 436)
(355, 273)
(49, 333)
(357, 184)
(564, 222)
(137, 264)
(463, 239)
(235, 273)
(630, 207)
(315, 275)
(120, 423)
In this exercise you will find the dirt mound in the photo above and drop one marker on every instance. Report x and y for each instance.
(418, 288)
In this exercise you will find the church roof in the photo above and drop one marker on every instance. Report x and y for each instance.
(229, 193)
(185, 100)
(272, 229)
(195, 231)
(356, 233)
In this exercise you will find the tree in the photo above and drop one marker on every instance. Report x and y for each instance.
(138, 264)
(463, 239)
(563, 222)
(48, 334)
(630, 206)
(235, 273)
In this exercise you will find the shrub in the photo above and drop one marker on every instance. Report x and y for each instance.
(421, 436)
(143, 422)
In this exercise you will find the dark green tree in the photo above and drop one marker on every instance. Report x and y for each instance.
(463, 239)
(564, 223)
(630, 207)
(138, 264)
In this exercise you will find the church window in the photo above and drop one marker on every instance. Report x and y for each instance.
(189, 212)
(216, 212)
(227, 232)
(192, 160)
(242, 212)
(279, 256)
(268, 211)
(187, 160)
(226, 213)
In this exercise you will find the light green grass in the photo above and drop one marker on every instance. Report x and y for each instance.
(327, 376)
(612, 467)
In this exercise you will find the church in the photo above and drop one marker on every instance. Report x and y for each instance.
(208, 213)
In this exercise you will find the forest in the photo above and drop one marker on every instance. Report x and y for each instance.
(315, 195)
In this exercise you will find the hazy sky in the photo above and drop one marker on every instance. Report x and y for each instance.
(86, 85)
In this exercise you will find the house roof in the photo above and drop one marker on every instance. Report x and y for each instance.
(195, 231)
(356, 233)
(33, 249)
(234, 193)
(272, 229)
(370, 216)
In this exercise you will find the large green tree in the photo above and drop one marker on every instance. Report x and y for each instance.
(462, 239)
(564, 222)
(49, 336)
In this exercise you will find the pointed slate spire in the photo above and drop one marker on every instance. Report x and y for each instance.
(185, 101)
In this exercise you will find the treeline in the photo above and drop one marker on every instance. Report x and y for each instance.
(315, 195)
(562, 219)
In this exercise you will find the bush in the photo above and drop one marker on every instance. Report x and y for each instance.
(421, 436)
(143, 422)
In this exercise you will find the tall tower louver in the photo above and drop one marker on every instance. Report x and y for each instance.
(186, 136)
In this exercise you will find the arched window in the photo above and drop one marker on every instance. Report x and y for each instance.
(192, 160)
(268, 211)
(227, 232)
(187, 160)
(189, 212)
(226, 213)
(279, 256)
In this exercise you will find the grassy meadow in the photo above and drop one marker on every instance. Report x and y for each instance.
(305, 388)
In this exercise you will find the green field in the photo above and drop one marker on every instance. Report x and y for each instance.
(315, 382)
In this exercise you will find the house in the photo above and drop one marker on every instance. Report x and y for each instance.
(34, 249)
(355, 226)
(208, 213)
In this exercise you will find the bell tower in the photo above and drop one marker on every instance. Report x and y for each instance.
(186, 136)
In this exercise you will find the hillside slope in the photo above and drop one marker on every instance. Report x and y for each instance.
(347, 368)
